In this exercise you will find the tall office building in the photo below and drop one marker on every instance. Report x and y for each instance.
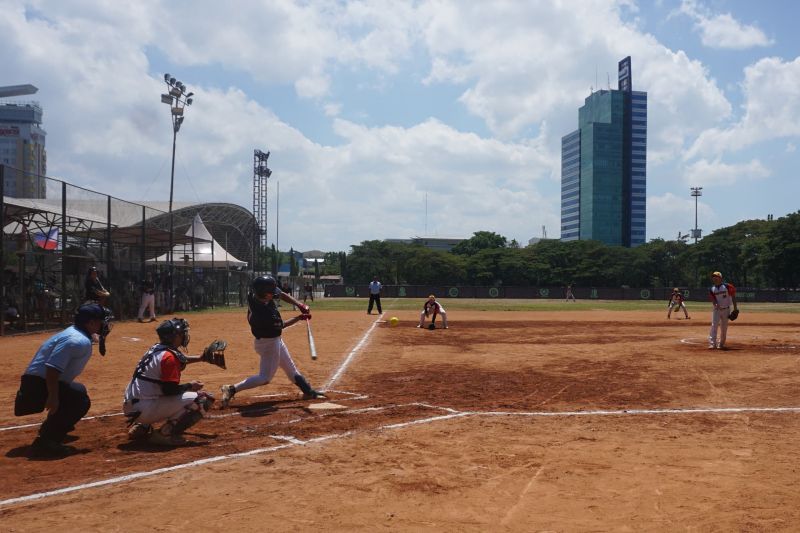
(22, 145)
(603, 167)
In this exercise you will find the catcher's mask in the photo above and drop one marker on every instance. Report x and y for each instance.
(168, 330)
(264, 285)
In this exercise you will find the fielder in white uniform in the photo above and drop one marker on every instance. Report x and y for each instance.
(432, 307)
(723, 296)
(155, 393)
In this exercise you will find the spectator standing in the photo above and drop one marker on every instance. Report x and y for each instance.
(148, 298)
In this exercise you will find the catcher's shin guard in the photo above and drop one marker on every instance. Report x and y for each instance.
(193, 414)
(186, 420)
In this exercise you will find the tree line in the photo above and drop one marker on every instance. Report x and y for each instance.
(752, 253)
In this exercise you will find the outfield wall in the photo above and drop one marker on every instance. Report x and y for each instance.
(556, 293)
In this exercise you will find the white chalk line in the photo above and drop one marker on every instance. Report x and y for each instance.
(694, 341)
(140, 475)
(9, 428)
(457, 414)
(336, 375)
(355, 396)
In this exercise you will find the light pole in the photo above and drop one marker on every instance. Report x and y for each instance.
(696, 192)
(177, 97)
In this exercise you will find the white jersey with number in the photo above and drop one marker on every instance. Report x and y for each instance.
(721, 295)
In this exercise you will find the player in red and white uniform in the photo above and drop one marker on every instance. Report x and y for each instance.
(432, 307)
(156, 394)
(723, 296)
(676, 302)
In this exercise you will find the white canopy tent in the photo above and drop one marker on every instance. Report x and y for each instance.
(203, 252)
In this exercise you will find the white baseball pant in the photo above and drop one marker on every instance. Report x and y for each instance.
(719, 320)
(148, 301)
(162, 408)
(273, 354)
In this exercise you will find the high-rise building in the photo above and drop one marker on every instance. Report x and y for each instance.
(603, 167)
(22, 145)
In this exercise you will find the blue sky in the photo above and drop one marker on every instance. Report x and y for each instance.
(368, 108)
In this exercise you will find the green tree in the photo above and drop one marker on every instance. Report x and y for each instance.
(480, 240)
(783, 256)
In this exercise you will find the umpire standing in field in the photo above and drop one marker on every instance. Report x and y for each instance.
(49, 381)
(375, 295)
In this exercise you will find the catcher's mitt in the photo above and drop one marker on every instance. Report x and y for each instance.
(734, 315)
(214, 353)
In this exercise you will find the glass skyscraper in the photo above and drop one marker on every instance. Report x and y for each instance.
(603, 167)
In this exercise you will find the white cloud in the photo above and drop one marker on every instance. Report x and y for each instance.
(524, 66)
(716, 172)
(332, 109)
(518, 67)
(724, 31)
(771, 89)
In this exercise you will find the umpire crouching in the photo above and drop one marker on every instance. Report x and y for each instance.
(48, 382)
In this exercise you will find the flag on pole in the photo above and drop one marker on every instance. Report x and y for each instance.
(48, 241)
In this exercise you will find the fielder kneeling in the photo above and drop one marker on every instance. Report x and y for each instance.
(156, 394)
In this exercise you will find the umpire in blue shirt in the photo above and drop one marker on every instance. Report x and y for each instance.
(49, 381)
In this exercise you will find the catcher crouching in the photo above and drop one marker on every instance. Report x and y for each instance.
(155, 393)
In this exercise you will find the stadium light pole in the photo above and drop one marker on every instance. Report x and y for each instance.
(177, 97)
(696, 192)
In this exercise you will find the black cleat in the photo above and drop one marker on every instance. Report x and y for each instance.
(50, 448)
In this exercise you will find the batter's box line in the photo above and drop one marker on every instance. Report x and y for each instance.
(23, 426)
(623, 412)
(355, 395)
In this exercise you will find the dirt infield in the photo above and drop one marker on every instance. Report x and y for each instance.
(507, 421)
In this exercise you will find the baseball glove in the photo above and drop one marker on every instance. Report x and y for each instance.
(214, 353)
(734, 315)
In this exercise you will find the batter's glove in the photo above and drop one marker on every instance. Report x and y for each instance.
(214, 353)
(734, 315)
(304, 309)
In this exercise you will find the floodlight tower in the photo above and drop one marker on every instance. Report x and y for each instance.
(696, 192)
(177, 97)
(260, 174)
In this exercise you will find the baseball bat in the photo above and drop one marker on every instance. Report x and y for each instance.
(311, 344)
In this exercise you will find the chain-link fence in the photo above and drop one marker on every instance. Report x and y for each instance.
(50, 243)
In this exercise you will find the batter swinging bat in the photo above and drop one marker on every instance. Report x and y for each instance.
(311, 341)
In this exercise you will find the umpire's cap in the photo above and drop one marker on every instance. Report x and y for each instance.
(264, 285)
(89, 312)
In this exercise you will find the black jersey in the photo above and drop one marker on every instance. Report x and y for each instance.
(93, 288)
(264, 318)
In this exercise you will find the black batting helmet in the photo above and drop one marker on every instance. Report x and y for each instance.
(168, 329)
(264, 285)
